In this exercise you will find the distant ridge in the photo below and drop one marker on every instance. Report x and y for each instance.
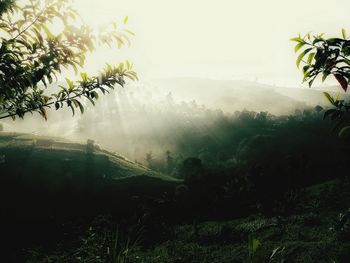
(231, 95)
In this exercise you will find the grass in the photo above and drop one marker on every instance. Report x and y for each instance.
(61, 181)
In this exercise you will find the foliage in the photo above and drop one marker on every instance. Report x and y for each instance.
(275, 254)
(341, 226)
(215, 241)
(320, 56)
(226, 159)
(101, 243)
(32, 57)
(253, 245)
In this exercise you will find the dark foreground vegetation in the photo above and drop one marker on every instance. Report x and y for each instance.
(250, 187)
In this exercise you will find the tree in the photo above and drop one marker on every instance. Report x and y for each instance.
(32, 57)
(326, 57)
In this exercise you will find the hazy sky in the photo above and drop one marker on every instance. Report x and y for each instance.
(224, 39)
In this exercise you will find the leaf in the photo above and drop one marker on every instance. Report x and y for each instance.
(344, 131)
(25, 43)
(78, 104)
(298, 46)
(297, 39)
(317, 40)
(301, 56)
(70, 83)
(256, 244)
(343, 32)
(342, 81)
(72, 108)
(38, 35)
(337, 96)
(128, 65)
(129, 32)
(39, 75)
(126, 19)
(47, 31)
(329, 97)
(94, 95)
(253, 245)
(83, 76)
(311, 57)
(91, 100)
(276, 251)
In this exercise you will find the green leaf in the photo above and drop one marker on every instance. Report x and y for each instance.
(301, 56)
(297, 39)
(71, 106)
(128, 65)
(94, 95)
(298, 46)
(78, 104)
(329, 97)
(70, 83)
(129, 32)
(276, 251)
(83, 76)
(255, 244)
(91, 100)
(344, 131)
(343, 32)
(47, 31)
(81, 107)
(126, 19)
(311, 57)
(317, 40)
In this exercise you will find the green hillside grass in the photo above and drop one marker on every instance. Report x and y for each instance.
(28, 154)
(45, 177)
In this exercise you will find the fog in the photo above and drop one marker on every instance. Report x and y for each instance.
(223, 39)
(154, 117)
(195, 60)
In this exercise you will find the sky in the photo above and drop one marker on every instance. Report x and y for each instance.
(221, 39)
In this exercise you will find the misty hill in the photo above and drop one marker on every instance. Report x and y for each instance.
(56, 152)
(232, 95)
(44, 176)
(160, 116)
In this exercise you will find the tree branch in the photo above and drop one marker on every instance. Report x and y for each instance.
(31, 24)
(43, 106)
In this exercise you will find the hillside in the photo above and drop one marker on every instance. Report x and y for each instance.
(317, 231)
(316, 228)
(43, 176)
(232, 95)
(30, 151)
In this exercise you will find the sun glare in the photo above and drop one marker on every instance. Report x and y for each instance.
(217, 39)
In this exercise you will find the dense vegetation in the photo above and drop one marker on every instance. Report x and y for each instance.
(233, 166)
(326, 57)
(33, 56)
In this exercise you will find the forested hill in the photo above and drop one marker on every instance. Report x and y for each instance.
(232, 95)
